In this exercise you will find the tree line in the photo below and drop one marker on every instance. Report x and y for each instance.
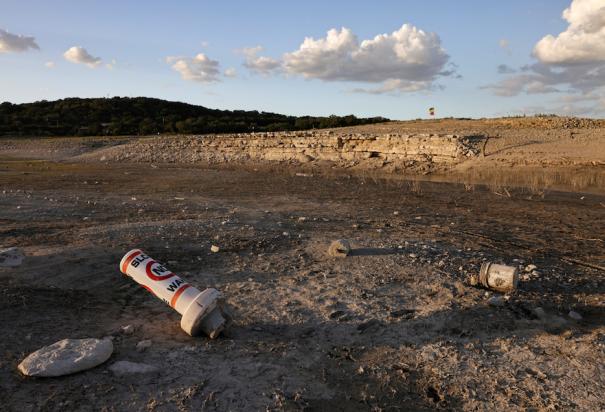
(144, 116)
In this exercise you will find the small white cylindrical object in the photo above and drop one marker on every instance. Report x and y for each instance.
(201, 311)
(499, 277)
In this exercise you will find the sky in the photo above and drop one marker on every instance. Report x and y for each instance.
(465, 58)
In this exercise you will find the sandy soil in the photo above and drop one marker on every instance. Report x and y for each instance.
(395, 326)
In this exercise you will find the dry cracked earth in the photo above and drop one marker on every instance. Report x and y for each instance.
(394, 326)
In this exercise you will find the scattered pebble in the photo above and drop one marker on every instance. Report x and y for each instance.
(496, 301)
(11, 257)
(214, 249)
(337, 314)
(339, 248)
(142, 345)
(574, 315)
(369, 325)
(540, 313)
(536, 372)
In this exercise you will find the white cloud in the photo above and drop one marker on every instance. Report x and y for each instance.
(408, 59)
(505, 45)
(199, 68)
(584, 39)
(112, 64)
(50, 65)
(80, 55)
(230, 72)
(522, 83)
(505, 69)
(544, 78)
(565, 108)
(571, 64)
(259, 64)
(16, 43)
(396, 86)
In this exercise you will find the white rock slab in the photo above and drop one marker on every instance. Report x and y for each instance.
(11, 257)
(122, 368)
(144, 344)
(66, 357)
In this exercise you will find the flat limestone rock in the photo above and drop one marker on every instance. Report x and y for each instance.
(11, 257)
(122, 368)
(66, 357)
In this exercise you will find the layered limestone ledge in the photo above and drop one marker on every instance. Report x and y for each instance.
(348, 150)
(334, 147)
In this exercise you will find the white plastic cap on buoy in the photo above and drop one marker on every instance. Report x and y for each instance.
(202, 312)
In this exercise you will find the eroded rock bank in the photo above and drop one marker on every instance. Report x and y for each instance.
(394, 151)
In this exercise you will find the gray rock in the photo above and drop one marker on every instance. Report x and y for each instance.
(370, 325)
(339, 248)
(11, 257)
(540, 313)
(66, 356)
(574, 315)
(122, 368)
(551, 322)
(536, 372)
(142, 345)
(496, 301)
(304, 158)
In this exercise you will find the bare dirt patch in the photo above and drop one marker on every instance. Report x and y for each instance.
(393, 326)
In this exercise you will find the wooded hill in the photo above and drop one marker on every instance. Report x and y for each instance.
(144, 116)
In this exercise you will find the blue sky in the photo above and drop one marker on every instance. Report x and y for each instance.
(151, 48)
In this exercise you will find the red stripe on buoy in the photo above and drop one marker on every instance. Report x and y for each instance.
(149, 289)
(153, 276)
(178, 294)
(128, 260)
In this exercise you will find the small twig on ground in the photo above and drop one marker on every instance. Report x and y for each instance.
(591, 239)
(484, 146)
(581, 263)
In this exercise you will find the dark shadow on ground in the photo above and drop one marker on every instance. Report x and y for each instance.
(370, 251)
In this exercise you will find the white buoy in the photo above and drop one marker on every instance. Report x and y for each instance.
(202, 312)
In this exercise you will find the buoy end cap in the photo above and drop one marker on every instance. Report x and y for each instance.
(205, 315)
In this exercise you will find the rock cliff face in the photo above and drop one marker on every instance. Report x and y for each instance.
(347, 150)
